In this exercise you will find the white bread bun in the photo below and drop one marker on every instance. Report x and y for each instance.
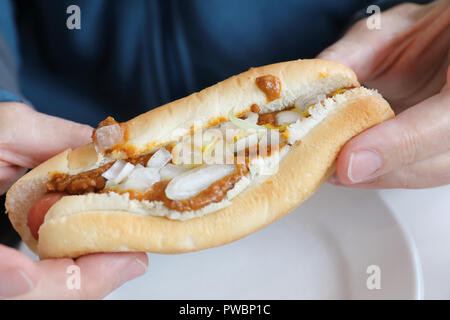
(78, 225)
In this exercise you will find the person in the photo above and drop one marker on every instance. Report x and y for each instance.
(408, 62)
(146, 53)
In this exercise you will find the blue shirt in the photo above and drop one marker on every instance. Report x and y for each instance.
(131, 56)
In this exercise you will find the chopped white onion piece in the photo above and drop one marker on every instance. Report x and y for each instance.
(246, 142)
(159, 159)
(109, 184)
(252, 118)
(170, 171)
(243, 124)
(192, 182)
(302, 103)
(114, 170)
(285, 117)
(118, 171)
(107, 136)
(140, 179)
(126, 170)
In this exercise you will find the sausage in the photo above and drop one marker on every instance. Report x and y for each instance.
(38, 211)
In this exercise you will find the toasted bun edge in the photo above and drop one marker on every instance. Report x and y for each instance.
(300, 174)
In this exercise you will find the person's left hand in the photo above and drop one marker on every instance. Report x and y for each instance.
(100, 274)
(407, 60)
(27, 138)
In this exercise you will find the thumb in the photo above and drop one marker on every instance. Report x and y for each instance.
(29, 137)
(18, 273)
(416, 134)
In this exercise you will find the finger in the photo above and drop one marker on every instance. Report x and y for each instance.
(354, 53)
(427, 173)
(414, 66)
(8, 175)
(90, 277)
(120, 267)
(361, 48)
(448, 75)
(18, 273)
(447, 84)
(368, 51)
(416, 134)
(36, 136)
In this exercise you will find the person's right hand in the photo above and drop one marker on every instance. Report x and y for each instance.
(407, 60)
(27, 138)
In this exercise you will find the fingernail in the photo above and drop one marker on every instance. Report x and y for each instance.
(362, 165)
(133, 270)
(14, 282)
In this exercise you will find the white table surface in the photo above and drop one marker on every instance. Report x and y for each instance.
(426, 215)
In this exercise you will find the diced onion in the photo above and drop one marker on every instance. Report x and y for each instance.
(140, 179)
(159, 159)
(302, 103)
(107, 136)
(114, 170)
(170, 171)
(243, 124)
(118, 171)
(110, 184)
(192, 182)
(126, 170)
(287, 117)
(252, 118)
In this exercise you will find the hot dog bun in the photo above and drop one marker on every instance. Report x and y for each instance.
(78, 225)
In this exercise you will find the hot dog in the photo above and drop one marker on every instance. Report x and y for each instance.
(201, 171)
(37, 213)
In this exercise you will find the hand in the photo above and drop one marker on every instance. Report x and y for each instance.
(27, 138)
(100, 274)
(408, 62)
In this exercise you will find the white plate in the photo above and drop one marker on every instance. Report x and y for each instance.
(319, 251)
